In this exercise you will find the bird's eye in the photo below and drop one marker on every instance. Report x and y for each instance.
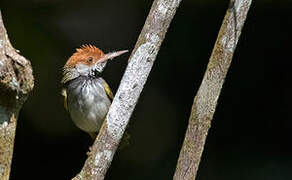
(90, 59)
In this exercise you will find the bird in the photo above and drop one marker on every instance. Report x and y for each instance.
(87, 96)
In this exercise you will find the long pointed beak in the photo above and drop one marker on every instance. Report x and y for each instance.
(111, 55)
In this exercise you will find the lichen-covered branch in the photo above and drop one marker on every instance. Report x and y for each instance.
(16, 81)
(206, 99)
(132, 83)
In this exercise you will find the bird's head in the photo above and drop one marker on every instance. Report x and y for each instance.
(88, 60)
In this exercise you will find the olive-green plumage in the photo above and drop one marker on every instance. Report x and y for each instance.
(87, 96)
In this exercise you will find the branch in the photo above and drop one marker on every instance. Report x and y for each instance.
(206, 99)
(132, 83)
(16, 81)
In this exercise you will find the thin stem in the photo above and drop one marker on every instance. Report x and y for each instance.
(207, 96)
(132, 83)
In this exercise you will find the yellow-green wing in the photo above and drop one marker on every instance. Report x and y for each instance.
(64, 93)
(108, 91)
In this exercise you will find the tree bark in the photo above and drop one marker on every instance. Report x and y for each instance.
(132, 83)
(206, 99)
(16, 81)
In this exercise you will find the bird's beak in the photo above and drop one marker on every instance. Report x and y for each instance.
(111, 55)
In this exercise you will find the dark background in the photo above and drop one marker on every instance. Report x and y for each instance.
(250, 137)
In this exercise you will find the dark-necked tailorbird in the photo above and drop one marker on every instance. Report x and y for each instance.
(87, 96)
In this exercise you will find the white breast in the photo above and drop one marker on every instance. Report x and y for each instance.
(88, 103)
